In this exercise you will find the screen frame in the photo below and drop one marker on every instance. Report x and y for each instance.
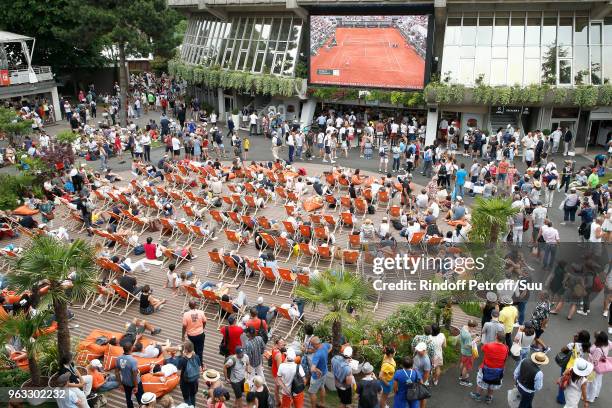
(377, 10)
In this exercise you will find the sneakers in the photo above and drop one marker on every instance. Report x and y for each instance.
(156, 332)
(475, 396)
(580, 312)
(488, 399)
(465, 383)
(605, 314)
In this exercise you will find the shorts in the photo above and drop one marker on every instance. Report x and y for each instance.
(467, 362)
(346, 396)
(320, 145)
(386, 387)
(177, 152)
(484, 385)
(327, 149)
(316, 384)
(238, 388)
(147, 310)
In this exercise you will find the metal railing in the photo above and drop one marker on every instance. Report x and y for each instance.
(21, 74)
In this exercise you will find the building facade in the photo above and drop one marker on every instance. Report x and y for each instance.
(21, 81)
(563, 45)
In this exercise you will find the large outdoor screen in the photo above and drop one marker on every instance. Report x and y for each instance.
(368, 51)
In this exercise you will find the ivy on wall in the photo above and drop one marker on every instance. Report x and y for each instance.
(406, 99)
(242, 81)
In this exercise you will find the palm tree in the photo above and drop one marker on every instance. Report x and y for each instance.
(490, 219)
(67, 269)
(27, 331)
(340, 292)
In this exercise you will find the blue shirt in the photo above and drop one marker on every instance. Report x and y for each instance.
(403, 377)
(537, 383)
(319, 359)
(127, 366)
(461, 176)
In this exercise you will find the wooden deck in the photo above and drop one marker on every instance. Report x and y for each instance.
(169, 319)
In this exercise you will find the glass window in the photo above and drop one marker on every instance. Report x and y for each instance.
(532, 52)
(517, 29)
(483, 64)
(549, 65)
(498, 71)
(258, 62)
(452, 34)
(466, 71)
(581, 31)
(595, 33)
(596, 65)
(565, 72)
(450, 60)
(581, 65)
(500, 52)
(468, 32)
(485, 29)
(565, 31)
(608, 31)
(500, 31)
(549, 31)
(532, 30)
(607, 63)
(531, 73)
(515, 66)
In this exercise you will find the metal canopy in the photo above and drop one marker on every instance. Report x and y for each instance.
(7, 37)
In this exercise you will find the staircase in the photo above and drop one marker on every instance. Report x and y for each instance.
(502, 121)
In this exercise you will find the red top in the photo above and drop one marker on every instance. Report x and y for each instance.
(150, 250)
(276, 352)
(495, 355)
(502, 168)
(256, 324)
(234, 337)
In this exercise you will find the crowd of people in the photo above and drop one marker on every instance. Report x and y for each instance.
(125, 217)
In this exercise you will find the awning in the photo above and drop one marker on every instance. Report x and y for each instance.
(7, 37)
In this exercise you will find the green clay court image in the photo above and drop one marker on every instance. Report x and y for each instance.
(375, 51)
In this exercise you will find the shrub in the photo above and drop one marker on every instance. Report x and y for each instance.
(13, 378)
(66, 137)
(13, 188)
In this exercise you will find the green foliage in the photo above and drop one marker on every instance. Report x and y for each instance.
(12, 125)
(490, 219)
(47, 21)
(471, 308)
(559, 95)
(605, 95)
(586, 96)
(13, 188)
(242, 81)
(13, 378)
(301, 69)
(546, 132)
(406, 320)
(66, 137)
(444, 93)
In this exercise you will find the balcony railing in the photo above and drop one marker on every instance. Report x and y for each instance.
(22, 75)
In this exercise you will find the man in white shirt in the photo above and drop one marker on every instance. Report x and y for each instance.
(299, 144)
(422, 200)
(213, 118)
(276, 144)
(286, 373)
(253, 123)
(538, 217)
(291, 146)
(551, 239)
(146, 144)
(176, 146)
(43, 141)
(556, 138)
(383, 229)
(339, 122)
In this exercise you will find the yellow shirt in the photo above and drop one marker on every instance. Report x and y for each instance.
(246, 143)
(387, 369)
(507, 317)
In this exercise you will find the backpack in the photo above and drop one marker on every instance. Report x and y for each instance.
(279, 142)
(192, 369)
(397, 225)
(218, 138)
(262, 332)
(297, 384)
(442, 171)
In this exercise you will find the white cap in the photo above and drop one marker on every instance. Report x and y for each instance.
(290, 354)
(260, 300)
(348, 352)
(421, 347)
(96, 363)
(148, 397)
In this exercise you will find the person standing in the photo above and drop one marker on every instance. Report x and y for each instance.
(232, 335)
(318, 369)
(284, 380)
(145, 140)
(387, 370)
(460, 178)
(491, 370)
(239, 365)
(567, 141)
(343, 376)
(189, 365)
(466, 340)
(291, 146)
(369, 389)
(276, 144)
(551, 242)
(194, 322)
(253, 124)
(576, 389)
(126, 371)
(254, 348)
(508, 317)
(402, 377)
(422, 364)
(529, 378)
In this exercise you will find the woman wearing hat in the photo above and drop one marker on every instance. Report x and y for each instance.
(579, 348)
(576, 389)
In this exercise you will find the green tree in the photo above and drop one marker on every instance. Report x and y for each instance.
(55, 263)
(490, 219)
(136, 27)
(11, 125)
(340, 292)
(27, 330)
(46, 22)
